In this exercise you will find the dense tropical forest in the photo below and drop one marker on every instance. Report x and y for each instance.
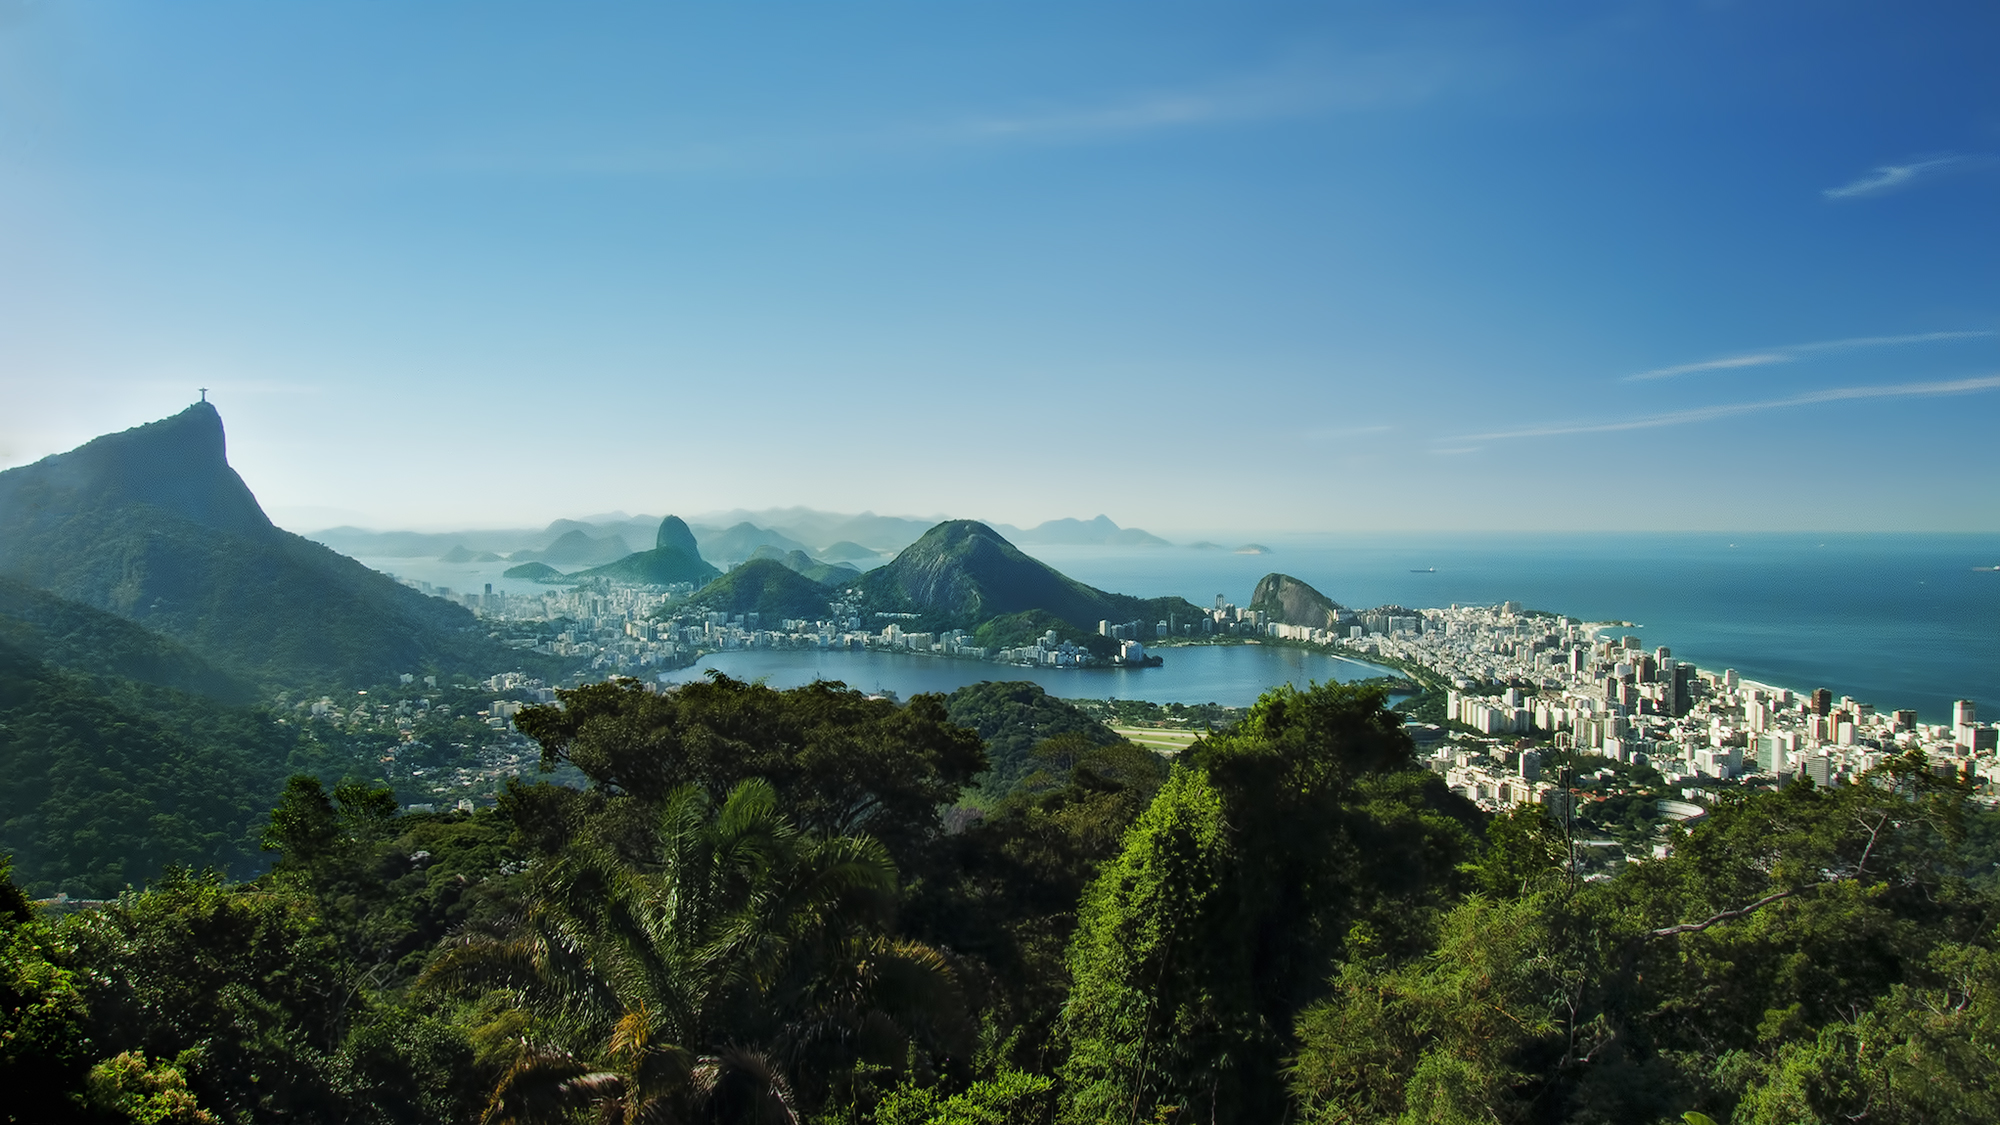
(778, 906)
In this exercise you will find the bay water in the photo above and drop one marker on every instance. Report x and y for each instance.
(1897, 620)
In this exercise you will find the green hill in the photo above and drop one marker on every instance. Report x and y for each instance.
(534, 572)
(1293, 602)
(766, 587)
(1011, 718)
(91, 642)
(154, 526)
(963, 572)
(661, 566)
(107, 783)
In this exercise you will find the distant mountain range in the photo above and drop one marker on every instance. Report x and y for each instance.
(574, 547)
(958, 574)
(153, 526)
(1099, 532)
(674, 559)
(722, 538)
(743, 541)
(826, 574)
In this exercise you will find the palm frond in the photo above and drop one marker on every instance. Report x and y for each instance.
(537, 1088)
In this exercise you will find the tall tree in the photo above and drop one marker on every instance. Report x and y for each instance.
(1785, 954)
(842, 762)
(743, 954)
(1275, 847)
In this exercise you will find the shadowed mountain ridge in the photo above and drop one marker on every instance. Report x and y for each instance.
(154, 526)
(965, 571)
(1293, 602)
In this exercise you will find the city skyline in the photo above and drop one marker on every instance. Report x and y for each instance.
(1643, 267)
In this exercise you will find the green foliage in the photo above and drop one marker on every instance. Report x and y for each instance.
(1008, 1098)
(759, 911)
(103, 790)
(1011, 717)
(1922, 1053)
(1787, 956)
(126, 1087)
(1525, 851)
(390, 887)
(842, 763)
(90, 642)
(269, 607)
(679, 980)
(825, 573)
(152, 525)
(1979, 852)
(44, 1045)
(1442, 1038)
(765, 587)
(1274, 848)
(1141, 1024)
(1189, 716)
(661, 566)
(1012, 630)
(249, 976)
(1005, 891)
(534, 572)
(404, 1066)
(1426, 706)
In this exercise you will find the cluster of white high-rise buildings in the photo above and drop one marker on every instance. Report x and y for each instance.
(1567, 685)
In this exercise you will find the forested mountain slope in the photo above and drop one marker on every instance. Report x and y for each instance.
(154, 526)
(965, 572)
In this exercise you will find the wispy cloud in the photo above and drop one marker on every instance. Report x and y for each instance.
(1164, 111)
(1791, 352)
(1758, 359)
(1303, 86)
(1312, 82)
(1730, 410)
(1894, 177)
(1330, 433)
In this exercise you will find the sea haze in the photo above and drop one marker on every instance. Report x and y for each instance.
(1899, 620)
(1902, 620)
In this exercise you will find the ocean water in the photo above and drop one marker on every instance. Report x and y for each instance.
(1901, 620)
(459, 578)
(1233, 675)
(1895, 620)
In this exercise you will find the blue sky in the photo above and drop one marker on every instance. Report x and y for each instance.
(1227, 267)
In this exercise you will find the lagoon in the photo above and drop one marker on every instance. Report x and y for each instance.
(1232, 675)
(1904, 620)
